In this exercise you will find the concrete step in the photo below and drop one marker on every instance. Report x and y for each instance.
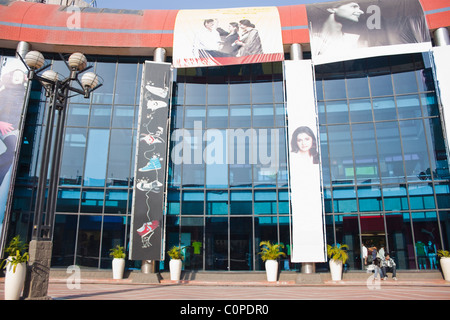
(236, 277)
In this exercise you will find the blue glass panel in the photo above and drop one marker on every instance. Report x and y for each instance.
(381, 85)
(384, 109)
(217, 202)
(125, 92)
(195, 94)
(104, 94)
(194, 116)
(68, 200)
(73, 156)
(263, 115)
(408, 106)
(262, 92)
(241, 202)
(96, 157)
(116, 201)
(369, 198)
(123, 116)
(100, 116)
(334, 89)
(217, 117)
(357, 87)
(192, 203)
(405, 82)
(92, 200)
(395, 198)
(78, 115)
(265, 202)
(390, 152)
(365, 153)
(240, 93)
(360, 110)
(217, 93)
(417, 164)
(240, 116)
(337, 111)
(341, 159)
(430, 106)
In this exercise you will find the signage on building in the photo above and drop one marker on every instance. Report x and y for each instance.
(308, 237)
(217, 37)
(346, 30)
(150, 162)
(13, 81)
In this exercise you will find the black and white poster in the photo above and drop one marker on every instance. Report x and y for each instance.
(345, 30)
(150, 162)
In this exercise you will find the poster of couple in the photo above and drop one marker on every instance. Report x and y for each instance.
(227, 37)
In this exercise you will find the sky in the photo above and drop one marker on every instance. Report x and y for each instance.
(196, 4)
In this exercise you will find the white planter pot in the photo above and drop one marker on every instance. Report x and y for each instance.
(272, 270)
(336, 270)
(14, 281)
(118, 266)
(445, 266)
(175, 269)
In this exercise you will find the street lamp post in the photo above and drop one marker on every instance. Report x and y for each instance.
(40, 248)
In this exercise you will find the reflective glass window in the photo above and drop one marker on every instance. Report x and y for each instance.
(195, 94)
(65, 235)
(358, 87)
(123, 116)
(119, 159)
(365, 153)
(104, 94)
(381, 85)
(100, 116)
(390, 152)
(240, 93)
(193, 202)
(88, 244)
(384, 109)
(96, 157)
(92, 200)
(360, 110)
(340, 148)
(262, 92)
(77, 115)
(116, 201)
(125, 91)
(408, 106)
(73, 156)
(263, 115)
(217, 202)
(218, 93)
(337, 111)
(241, 203)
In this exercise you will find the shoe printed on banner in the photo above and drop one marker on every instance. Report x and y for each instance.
(150, 139)
(145, 185)
(146, 232)
(153, 164)
(154, 105)
(160, 92)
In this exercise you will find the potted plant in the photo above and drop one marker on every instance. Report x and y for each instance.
(269, 255)
(445, 263)
(338, 256)
(175, 263)
(16, 268)
(118, 263)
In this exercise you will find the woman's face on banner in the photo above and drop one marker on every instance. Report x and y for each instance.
(304, 142)
(350, 11)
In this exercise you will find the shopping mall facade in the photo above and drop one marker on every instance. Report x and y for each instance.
(379, 118)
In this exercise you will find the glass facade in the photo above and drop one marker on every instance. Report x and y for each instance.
(384, 163)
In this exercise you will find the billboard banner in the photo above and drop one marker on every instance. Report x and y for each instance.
(345, 30)
(215, 37)
(308, 238)
(13, 82)
(150, 162)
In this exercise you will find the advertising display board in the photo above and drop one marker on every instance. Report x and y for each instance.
(150, 162)
(227, 36)
(346, 30)
(13, 82)
(308, 238)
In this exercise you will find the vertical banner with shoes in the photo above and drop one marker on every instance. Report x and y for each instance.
(308, 236)
(150, 162)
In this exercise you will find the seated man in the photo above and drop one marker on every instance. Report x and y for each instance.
(388, 265)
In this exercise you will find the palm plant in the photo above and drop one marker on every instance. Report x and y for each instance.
(338, 252)
(270, 251)
(17, 252)
(117, 252)
(443, 253)
(175, 253)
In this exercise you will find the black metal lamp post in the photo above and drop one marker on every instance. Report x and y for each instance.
(40, 249)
